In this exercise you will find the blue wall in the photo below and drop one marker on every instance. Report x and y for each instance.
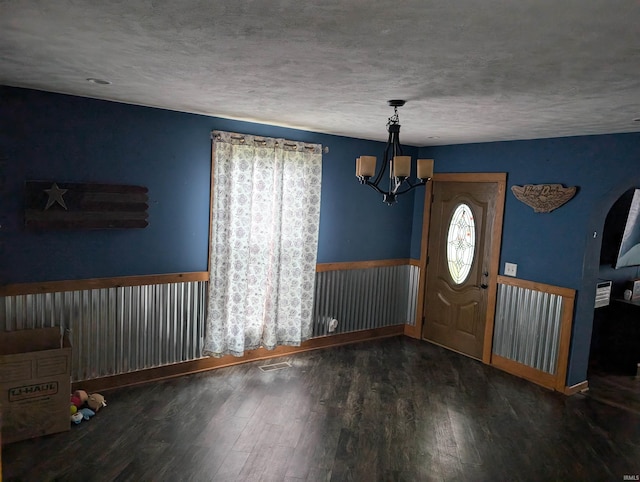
(63, 138)
(557, 248)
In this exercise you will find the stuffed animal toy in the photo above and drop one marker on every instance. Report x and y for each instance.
(82, 414)
(87, 413)
(82, 395)
(96, 402)
(75, 401)
(78, 399)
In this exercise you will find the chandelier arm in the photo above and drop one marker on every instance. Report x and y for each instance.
(385, 159)
(375, 187)
(397, 147)
(411, 186)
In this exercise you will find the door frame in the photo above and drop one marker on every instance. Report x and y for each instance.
(495, 177)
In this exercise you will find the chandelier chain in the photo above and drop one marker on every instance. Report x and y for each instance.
(395, 118)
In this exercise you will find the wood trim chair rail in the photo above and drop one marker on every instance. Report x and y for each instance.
(349, 265)
(18, 289)
(100, 283)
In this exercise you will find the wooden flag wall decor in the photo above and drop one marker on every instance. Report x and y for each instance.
(65, 205)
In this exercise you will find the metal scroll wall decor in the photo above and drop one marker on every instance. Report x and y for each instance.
(543, 198)
(60, 205)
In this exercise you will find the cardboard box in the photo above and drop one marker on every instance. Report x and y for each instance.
(35, 383)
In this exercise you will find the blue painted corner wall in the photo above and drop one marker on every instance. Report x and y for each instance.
(45, 136)
(561, 248)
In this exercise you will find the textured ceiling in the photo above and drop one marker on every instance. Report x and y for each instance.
(470, 70)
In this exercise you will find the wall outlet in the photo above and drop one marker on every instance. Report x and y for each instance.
(510, 269)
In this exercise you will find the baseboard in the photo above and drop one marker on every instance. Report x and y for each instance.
(410, 331)
(209, 363)
(578, 387)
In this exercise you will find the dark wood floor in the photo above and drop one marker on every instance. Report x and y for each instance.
(621, 391)
(395, 409)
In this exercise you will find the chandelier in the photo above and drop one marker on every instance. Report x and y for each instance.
(399, 181)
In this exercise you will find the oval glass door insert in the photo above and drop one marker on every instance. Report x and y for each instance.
(461, 243)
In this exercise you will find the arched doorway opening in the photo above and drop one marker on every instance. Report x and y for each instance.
(615, 338)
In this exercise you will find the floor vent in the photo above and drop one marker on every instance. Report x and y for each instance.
(275, 366)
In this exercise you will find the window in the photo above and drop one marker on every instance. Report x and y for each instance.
(461, 243)
(265, 218)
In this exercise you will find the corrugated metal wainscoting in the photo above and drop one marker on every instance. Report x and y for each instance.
(124, 329)
(362, 299)
(117, 330)
(527, 327)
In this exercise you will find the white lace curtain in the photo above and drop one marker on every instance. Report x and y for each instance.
(264, 239)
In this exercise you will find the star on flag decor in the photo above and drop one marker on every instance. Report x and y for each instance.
(53, 205)
(55, 196)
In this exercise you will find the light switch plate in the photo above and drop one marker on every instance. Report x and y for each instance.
(510, 269)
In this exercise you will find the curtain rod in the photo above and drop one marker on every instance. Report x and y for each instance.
(325, 149)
